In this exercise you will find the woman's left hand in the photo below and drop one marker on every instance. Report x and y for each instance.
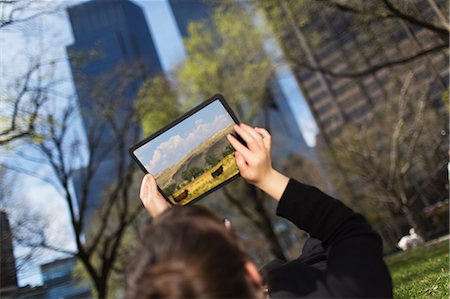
(152, 200)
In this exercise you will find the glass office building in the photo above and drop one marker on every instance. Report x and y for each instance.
(112, 53)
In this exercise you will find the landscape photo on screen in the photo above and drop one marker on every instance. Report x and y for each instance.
(192, 157)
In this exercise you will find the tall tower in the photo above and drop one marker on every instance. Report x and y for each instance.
(109, 34)
(8, 275)
(118, 32)
(113, 52)
(337, 101)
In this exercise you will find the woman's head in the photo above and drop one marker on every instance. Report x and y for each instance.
(187, 252)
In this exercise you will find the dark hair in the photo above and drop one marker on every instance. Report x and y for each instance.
(187, 252)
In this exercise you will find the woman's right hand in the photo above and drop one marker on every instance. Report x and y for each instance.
(254, 161)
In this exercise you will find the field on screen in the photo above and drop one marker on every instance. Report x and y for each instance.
(205, 167)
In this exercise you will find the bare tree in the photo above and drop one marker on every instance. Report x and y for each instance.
(24, 96)
(398, 157)
(37, 130)
(24, 100)
(14, 12)
(99, 220)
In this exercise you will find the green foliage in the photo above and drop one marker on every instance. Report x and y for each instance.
(170, 189)
(191, 173)
(226, 55)
(211, 160)
(422, 272)
(156, 104)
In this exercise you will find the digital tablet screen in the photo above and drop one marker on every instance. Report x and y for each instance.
(191, 157)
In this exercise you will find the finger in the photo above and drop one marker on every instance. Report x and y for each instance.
(263, 132)
(267, 138)
(252, 132)
(248, 138)
(238, 146)
(240, 162)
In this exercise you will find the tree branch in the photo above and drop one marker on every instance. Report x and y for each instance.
(442, 32)
(377, 67)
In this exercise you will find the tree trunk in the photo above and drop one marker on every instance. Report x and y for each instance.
(100, 287)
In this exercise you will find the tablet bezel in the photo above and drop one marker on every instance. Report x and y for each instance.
(217, 97)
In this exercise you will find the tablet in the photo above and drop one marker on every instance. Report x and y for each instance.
(191, 157)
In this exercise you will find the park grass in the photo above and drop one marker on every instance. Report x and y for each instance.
(422, 272)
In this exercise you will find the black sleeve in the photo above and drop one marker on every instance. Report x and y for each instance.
(355, 252)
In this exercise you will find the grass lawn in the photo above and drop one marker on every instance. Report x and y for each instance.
(422, 272)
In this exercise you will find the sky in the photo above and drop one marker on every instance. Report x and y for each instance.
(170, 147)
(162, 24)
(47, 36)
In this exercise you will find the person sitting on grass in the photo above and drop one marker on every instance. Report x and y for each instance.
(188, 252)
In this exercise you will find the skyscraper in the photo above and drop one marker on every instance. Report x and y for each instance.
(8, 275)
(336, 101)
(109, 35)
(112, 53)
(118, 32)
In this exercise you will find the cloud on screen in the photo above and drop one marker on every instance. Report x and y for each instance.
(176, 147)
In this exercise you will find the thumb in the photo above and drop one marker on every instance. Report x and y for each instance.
(144, 187)
(151, 183)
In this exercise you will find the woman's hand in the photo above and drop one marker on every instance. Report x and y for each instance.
(254, 161)
(152, 200)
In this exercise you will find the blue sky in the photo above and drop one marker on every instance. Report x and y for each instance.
(162, 24)
(47, 37)
(168, 148)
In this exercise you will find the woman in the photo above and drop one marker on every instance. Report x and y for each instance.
(187, 252)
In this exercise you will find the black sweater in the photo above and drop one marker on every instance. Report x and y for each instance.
(355, 266)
